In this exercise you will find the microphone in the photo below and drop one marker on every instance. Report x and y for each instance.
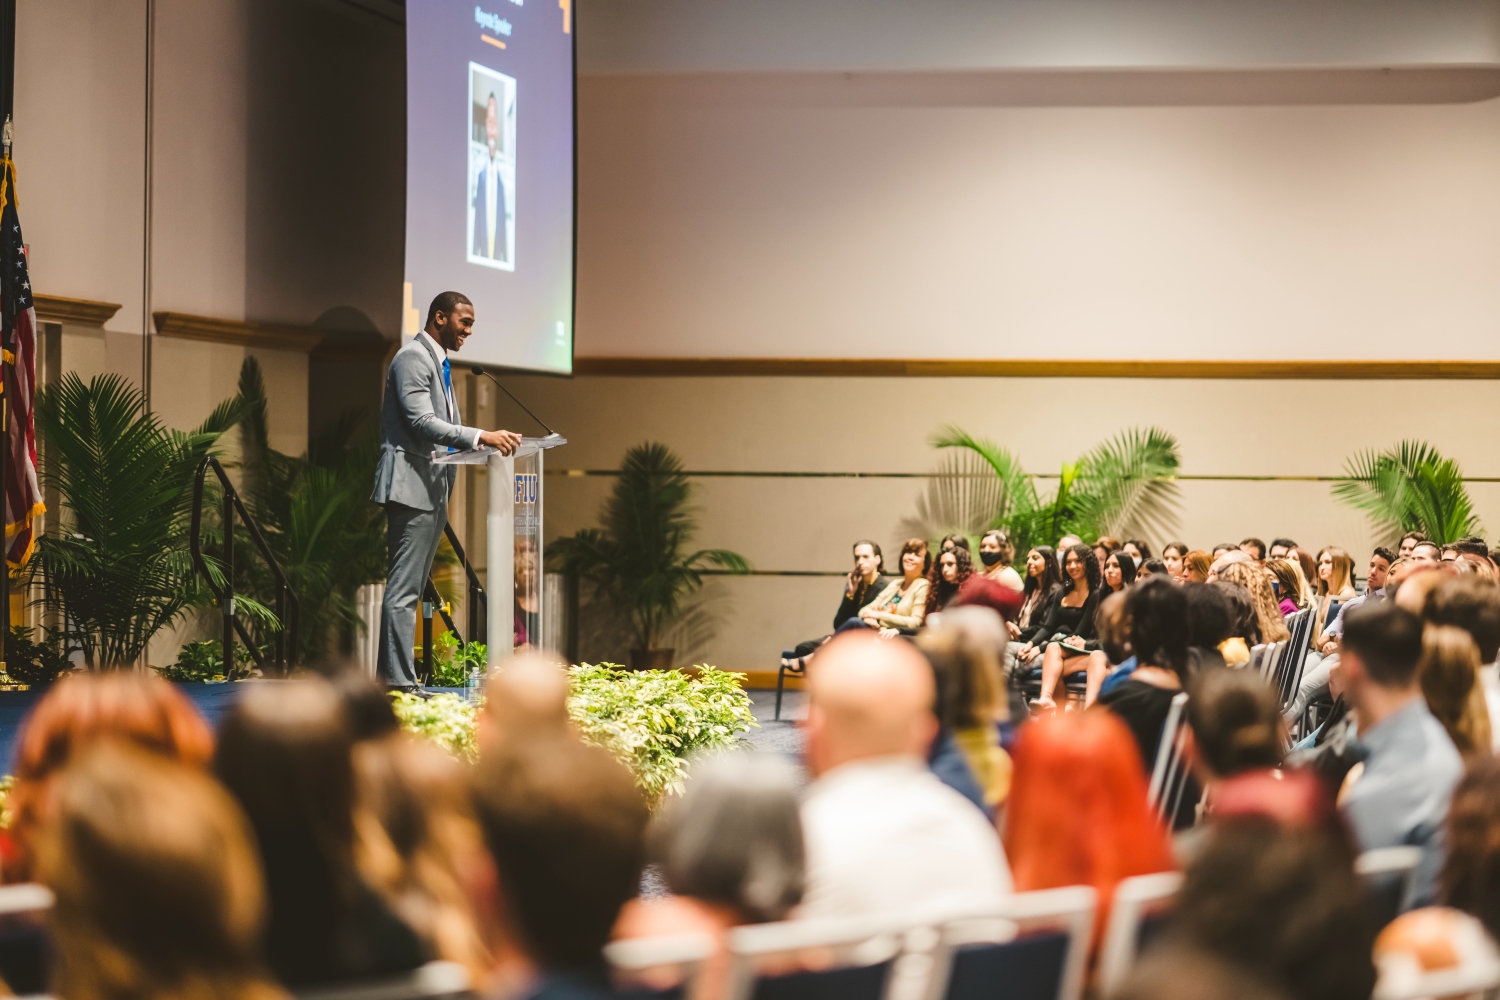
(480, 371)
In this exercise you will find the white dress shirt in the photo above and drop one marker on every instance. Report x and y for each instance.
(448, 389)
(884, 835)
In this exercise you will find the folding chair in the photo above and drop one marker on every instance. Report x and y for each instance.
(786, 654)
(1287, 678)
(673, 960)
(1268, 658)
(1034, 947)
(428, 982)
(1169, 773)
(863, 951)
(1257, 656)
(1135, 917)
(1387, 874)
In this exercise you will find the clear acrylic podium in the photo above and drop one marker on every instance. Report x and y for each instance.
(513, 563)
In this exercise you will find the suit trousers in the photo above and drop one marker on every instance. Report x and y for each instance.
(412, 538)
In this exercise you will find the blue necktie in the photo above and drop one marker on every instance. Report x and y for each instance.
(448, 390)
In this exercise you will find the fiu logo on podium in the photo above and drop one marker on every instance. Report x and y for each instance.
(526, 488)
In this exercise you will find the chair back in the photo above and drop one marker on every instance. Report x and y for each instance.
(1387, 874)
(1269, 657)
(672, 961)
(863, 951)
(1034, 947)
(428, 982)
(1136, 901)
(1169, 773)
(1286, 675)
(1257, 656)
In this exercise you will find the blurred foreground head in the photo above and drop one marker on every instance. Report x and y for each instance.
(158, 884)
(525, 701)
(565, 825)
(868, 697)
(733, 839)
(83, 709)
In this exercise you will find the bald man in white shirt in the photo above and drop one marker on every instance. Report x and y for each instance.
(883, 834)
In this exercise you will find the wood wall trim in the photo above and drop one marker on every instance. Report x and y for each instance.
(320, 344)
(907, 368)
(62, 309)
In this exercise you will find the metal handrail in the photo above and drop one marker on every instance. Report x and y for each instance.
(478, 602)
(477, 605)
(285, 655)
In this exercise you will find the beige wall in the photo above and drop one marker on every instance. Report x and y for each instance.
(1225, 428)
(719, 218)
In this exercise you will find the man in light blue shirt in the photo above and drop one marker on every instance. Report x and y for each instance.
(1412, 766)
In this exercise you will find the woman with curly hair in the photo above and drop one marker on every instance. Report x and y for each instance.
(948, 574)
(1267, 613)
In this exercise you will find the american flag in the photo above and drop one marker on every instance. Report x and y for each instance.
(23, 497)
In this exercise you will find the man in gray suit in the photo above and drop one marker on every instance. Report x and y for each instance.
(419, 415)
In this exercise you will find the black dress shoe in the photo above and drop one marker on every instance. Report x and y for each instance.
(412, 689)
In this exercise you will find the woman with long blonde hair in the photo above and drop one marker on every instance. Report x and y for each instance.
(1449, 676)
(1267, 613)
(1335, 583)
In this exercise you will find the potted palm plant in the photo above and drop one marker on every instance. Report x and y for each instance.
(1410, 487)
(639, 559)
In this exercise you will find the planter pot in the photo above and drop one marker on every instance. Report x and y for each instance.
(652, 659)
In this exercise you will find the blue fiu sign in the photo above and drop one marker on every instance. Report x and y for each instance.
(526, 488)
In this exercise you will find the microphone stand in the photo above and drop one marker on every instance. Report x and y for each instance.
(477, 370)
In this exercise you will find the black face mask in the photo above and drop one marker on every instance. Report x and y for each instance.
(989, 558)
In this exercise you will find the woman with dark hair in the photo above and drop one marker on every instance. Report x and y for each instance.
(1152, 567)
(903, 603)
(997, 554)
(1244, 628)
(1137, 550)
(1068, 631)
(954, 541)
(1157, 612)
(1285, 586)
(1119, 572)
(1104, 545)
(1172, 554)
(1043, 582)
(949, 573)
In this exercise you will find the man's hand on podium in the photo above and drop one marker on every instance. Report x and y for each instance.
(506, 442)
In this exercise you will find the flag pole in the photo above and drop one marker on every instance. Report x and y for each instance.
(7, 137)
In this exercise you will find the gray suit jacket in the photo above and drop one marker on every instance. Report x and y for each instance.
(415, 417)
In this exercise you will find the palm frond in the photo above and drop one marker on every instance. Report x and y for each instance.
(1410, 487)
(1127, 485)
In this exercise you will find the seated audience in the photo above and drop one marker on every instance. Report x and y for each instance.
(1271, 622)
(1068, 633)
(949, 573)
(1213, 620)
(285, 753)
(1078, 813)
(1279, 901)
(1280, 547)
(1235, 723)
(1254, 548)
(1067, 541)
(1152, 567)
(951, 542)
(1471, 873)
(1335, 573)
(1244, 624)
(903, 602)
(1157, 612)
(1042, 585)
(1449, 677)
(866, 580)
(1380, 567)
(1137, 550)
(964, 648)
(883, 834)
(1111, 663)
(1426, 552)
(1195, 566)
(997, 554)
(524, 704)
(1409, 541)
(1119, 572)
(565, 828)
(1172, 555)
(416, 837)
(82, 709)
(158, 886)
(1104, 546)
(730, 850)
(1285, 585)
(1223, 547)
(1408, 777)
(1473, 605)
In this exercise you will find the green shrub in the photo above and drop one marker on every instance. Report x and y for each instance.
(651, 720)
(204, 661)
(446, 719)
(31, 662)
(452, 663)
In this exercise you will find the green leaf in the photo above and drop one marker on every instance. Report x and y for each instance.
(1410, 487)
